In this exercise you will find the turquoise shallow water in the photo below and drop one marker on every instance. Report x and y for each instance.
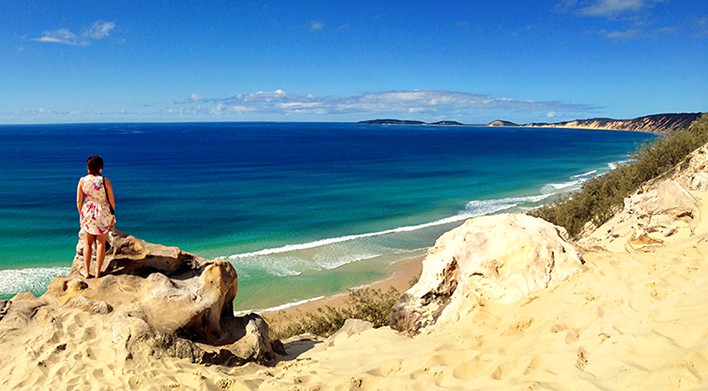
(301, 209)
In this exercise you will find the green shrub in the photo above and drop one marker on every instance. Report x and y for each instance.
(373, 305)
(601, 197)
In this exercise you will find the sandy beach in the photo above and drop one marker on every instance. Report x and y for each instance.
(400, 275)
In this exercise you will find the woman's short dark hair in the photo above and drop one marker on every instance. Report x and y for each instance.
(94, 164)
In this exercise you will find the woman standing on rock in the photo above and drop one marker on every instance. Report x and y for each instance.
(95, 202)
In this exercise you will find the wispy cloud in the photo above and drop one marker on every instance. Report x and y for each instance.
(620, 35)
(99, 30)
(635, 18)
(701, 26)
(611, 9)
(316, 26)
(608, 9)
(421, 102)
(279, 105)
(62, 36)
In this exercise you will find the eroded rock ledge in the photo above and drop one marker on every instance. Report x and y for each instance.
(153, 301)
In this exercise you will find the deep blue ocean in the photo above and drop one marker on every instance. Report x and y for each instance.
(300, 209)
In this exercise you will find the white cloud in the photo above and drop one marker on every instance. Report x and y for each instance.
(316, 26)
(637, 16)
(62, 36)
(99, 30)
(613, 8)
(628, 10)
(620, 35)
(424, 102)
(278, 104)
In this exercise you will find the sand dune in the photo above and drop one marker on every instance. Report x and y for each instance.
(632, 321)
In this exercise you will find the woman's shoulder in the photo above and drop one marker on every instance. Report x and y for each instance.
(90, 178)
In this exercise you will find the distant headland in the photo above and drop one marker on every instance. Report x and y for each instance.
(656, 123)
(408, 122)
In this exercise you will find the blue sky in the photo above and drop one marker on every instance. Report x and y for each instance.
(471, 61)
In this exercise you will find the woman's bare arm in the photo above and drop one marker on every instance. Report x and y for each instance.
(111, 198)
(79, 196)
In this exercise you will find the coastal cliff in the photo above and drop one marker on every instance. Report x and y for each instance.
(658, 123)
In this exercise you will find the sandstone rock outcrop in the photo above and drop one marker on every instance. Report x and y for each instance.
(699, 181)
(127, 254)
(501, 257)
(649, 216)
(660, 209)
(155, 301)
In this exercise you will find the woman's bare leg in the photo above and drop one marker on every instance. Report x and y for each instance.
(88, 250)
(100, 253)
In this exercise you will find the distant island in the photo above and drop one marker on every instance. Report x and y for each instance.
(502, 123)
(408, 122)
(657, 123)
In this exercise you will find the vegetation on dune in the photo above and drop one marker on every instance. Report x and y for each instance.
(372, 305)
(601, 197)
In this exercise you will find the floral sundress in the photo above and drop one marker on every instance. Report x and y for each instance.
(96, 217)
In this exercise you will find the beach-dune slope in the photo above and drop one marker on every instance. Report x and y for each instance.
(633, 318)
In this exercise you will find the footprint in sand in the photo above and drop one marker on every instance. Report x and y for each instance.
(420, 373)
(135, 382)
(353, 383)
(451, 357)
(519, 327)
(696, 365)
(533, 364)
(470, 369)
(302, 379)
(572, 336)
(503, 370)
(559, 327)
(659, 290)
(386, 369)
(582, 360)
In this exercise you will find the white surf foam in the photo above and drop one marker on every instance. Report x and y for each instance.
(278, 308)
(473, 208)
(615, 165)
(558, 187)
(30, 279)
(585, 174)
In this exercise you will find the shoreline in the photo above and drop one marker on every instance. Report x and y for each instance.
(400, 275)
